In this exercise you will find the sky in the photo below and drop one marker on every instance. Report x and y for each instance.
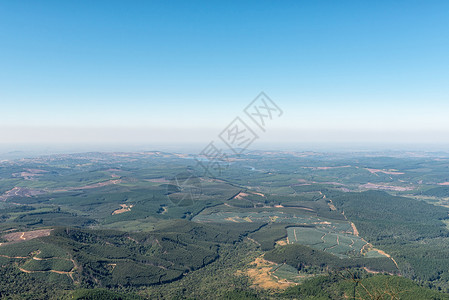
(178, 72)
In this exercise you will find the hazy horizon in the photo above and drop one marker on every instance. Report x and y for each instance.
(12, 152)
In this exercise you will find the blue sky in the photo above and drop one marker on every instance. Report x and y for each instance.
(180, 71)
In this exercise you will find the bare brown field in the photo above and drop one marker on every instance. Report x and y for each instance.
(260, 194)
(90, 186)
(240, 195)
(388, 172)
(354, 229)
(282, 242)
(373, 186)
(261, 277)
(124, 208)
(327, 168)
(233, 219)
(20, 192)
(331, 204)
(15, 237)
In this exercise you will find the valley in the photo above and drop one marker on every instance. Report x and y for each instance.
(119, 222)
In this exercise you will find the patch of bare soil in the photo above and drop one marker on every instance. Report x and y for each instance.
(15, 237)
(54, 271)
(371, 271)
(124, 208)
(240, 195)
(300, 207)
(254, 241)
(90, 186)
(29, 174)
(1, 255)
(260, 274)
(322, 223)
(164, 209)
(282, 242)
(326, 168)
(20, 192)
(372, 186)
(354, 229)
(331, 204)
(388, 172)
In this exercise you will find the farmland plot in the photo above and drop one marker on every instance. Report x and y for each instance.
(337, 243)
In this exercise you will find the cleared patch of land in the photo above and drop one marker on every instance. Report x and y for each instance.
(261, 274)
(282, 242)
(124, 208)
(388, 172)
(386, 187)
(20, 192)
(90, 186)
(340, 244)
(326, 168)
(354, 229)
(14, 237)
